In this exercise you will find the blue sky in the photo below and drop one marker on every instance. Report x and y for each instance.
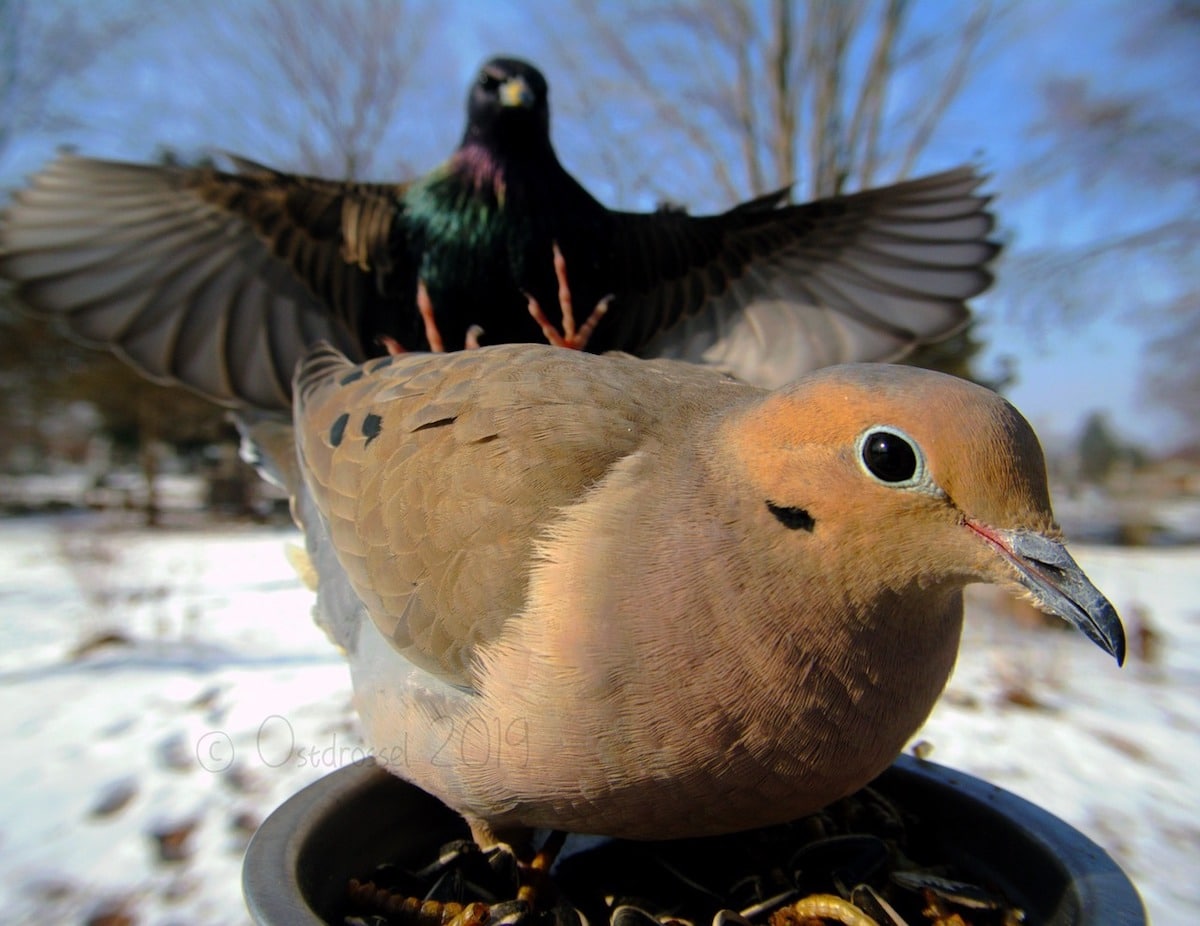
(167, 86)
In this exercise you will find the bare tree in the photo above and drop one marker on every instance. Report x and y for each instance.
(332, 81)
(1172, 377)
(1134, 154)
(787, 91)
(1134, 149)
(44, 46)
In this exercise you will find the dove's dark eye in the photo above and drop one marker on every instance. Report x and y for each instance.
(889, 456)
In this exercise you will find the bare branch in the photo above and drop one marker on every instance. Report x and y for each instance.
(783, 103)
(743, 104)
(833, 24)
(344, 69)
(588, 99)
(1179, 233)
(42, 48)
(866, 124)
(618, 50)
(784, 91)
(1172, 381)
(948, 87)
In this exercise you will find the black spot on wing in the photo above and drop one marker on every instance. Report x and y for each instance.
(371, 426)
(338, 431)
(381, 364)
(351, 377)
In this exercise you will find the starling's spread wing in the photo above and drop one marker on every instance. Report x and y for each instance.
(215, 280)
(770, 294)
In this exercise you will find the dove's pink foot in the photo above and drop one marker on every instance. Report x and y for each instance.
(569, 337)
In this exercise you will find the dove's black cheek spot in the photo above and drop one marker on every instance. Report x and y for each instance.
(371, 427)
(796, 519)
(338, 431)
(351, 377)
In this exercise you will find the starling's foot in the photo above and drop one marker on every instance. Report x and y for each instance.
(425, 307)
(432, 334)
(570, 337)
(391, 345)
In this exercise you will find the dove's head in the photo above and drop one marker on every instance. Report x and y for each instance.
(508, 104)
(895, 478)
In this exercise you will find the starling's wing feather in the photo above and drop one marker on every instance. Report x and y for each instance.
(770, 294)
(213, 280)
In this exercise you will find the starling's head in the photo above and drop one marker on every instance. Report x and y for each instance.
(508, 104)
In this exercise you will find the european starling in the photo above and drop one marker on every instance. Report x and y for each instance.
(221, 280)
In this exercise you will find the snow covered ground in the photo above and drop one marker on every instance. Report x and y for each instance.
(161, 692)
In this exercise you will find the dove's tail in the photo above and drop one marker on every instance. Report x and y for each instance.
(269, 445)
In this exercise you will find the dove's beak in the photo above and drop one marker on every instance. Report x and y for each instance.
(1058, 585)
(516, 92)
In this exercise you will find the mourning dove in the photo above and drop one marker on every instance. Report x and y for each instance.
(640, 599)
(220, 280)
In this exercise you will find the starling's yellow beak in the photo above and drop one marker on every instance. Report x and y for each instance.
(516, 92)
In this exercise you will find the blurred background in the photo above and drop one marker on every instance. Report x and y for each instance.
(123, 649)
(1083, 113)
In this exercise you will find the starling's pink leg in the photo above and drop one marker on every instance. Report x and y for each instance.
(570, 338)
(391, 345)
(432, 334)
(425, 307)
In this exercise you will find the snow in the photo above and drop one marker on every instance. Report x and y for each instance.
(171, 682)
(219, 676)
(1113, 751)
